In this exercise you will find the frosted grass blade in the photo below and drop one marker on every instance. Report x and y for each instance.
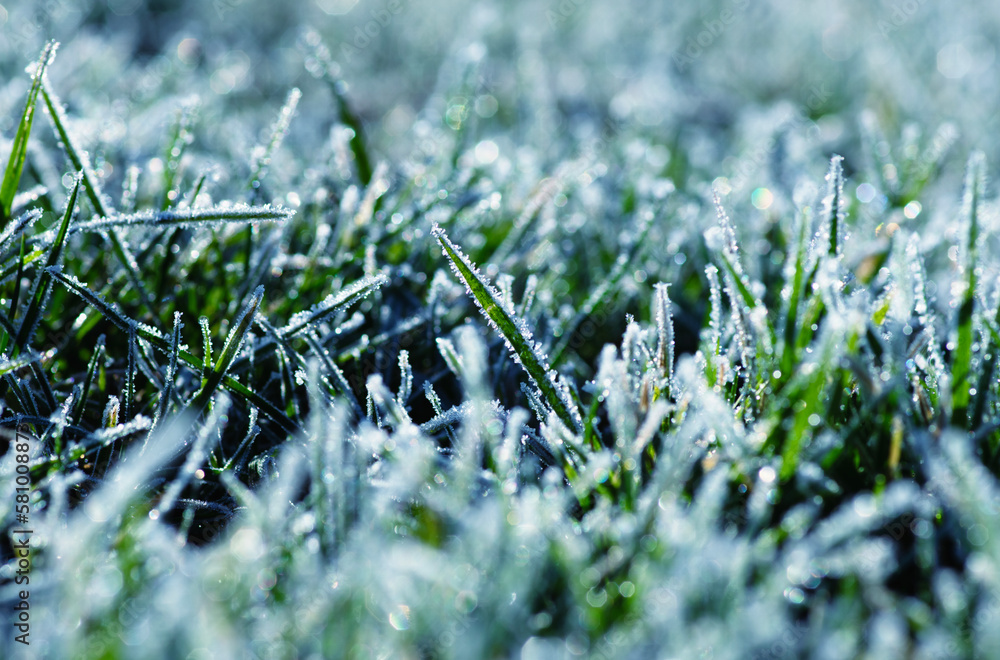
(88, 381)
(665, 334)
(961, 367)
(835, 206)
(44, 282)
(19, 150)
(190, 218)
(81, 162)
(333, 303)
(234, 342)
(515, 333)
(262, 154)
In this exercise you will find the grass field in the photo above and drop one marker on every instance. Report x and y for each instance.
(418, 329)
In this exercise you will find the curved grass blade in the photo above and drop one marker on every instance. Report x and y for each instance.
(19, 150)
(515, 333)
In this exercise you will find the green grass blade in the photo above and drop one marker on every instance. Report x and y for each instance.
(19, 150)
(95, 360)
(44, 282)
(516, 334)
(81, 162)
(263, 154)
(234, 342)
(961, 367)
(835, 205)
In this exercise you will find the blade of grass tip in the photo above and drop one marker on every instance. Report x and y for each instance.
(153, 336)
(102, 208)
(516, 335)
(44, 282)
(722, 240)
(19, 149)
(961, 368)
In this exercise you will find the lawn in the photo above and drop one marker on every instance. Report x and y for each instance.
(415, 329)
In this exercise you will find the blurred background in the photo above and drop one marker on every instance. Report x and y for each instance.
(709, 78)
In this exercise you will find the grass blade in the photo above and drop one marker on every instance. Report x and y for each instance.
(239, 213)
(515, 333)
(81, 163)
(234, 342)
(19, 150)
(333, 303)
(835, 205)
(44, 281)
(961, 367)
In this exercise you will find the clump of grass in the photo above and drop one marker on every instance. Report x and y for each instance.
(659, 442)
